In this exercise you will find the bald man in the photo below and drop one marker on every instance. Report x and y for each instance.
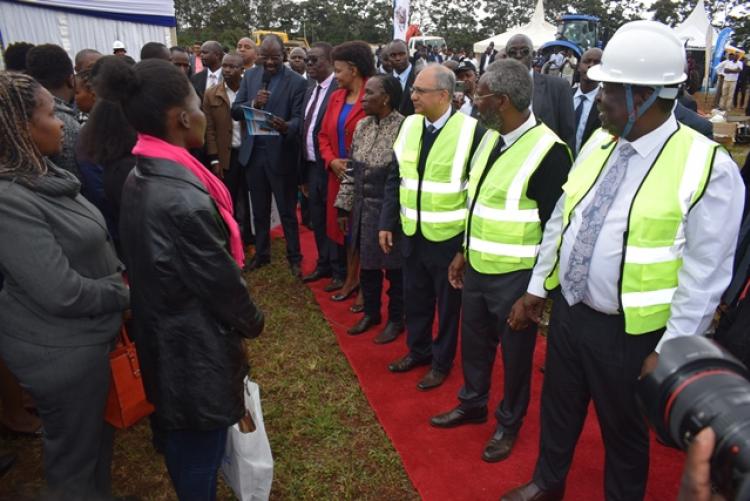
(211, 55)
(584, 99)
(297, 61)
(249, 52)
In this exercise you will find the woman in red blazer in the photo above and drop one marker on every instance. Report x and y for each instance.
(353, 64)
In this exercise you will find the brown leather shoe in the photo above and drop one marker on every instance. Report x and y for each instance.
(532, 492)
(431, 380)
(389, 333)
(499, 446)
(407, 363)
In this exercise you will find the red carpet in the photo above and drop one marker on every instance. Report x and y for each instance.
(446, 464)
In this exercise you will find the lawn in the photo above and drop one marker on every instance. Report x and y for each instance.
(326, 441)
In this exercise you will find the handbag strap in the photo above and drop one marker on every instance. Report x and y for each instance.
(124, 336)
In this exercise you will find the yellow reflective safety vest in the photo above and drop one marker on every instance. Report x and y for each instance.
(436, 201)
(654, 241)
(503, 229)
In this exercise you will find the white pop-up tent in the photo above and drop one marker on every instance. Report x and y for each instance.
(539, 30)
(88, 24)
(696, 29)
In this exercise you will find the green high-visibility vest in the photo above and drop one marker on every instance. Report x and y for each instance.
(655, 236)
(503, 229)
(436, 201)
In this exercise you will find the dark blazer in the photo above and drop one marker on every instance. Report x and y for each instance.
(191, 307)
(484, 58)
(285, 102)
(693, 120)
(63, 281)
(199, 82)
(329, 150)
(315, 126)
(553, 105)
(592, 123)
(406, 107)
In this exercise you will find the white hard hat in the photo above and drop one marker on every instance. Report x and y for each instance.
(118, 45)
(643, 53)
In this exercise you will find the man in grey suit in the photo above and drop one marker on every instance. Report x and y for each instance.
(314, 174)
(552, 102)
(272, 161)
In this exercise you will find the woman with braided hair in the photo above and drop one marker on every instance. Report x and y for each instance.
(63, 297)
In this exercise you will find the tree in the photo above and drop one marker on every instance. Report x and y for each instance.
(456, 21)
(503, 15)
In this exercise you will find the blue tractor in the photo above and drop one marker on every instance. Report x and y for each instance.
(577, 33)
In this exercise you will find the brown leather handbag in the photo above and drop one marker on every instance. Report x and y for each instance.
(127, 402)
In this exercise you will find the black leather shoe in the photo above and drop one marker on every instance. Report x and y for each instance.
(363, 325)
(334, 285)
(431, 380)
(532, 492)
(391, 331)
(7, 459)
(338, 297)
(315, 276)
(295, 269)
(459, 416)
(407, 363)
(256, 263)
(499, 446)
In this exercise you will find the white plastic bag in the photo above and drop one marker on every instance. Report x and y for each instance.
(248, 464)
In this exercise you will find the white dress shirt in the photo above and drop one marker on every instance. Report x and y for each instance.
(467, 106)
(236, 136)
(403, 77)
(440, 122)
(212, 78)
(309, 140)
(731, 65)
(711, 230)
(587, 106)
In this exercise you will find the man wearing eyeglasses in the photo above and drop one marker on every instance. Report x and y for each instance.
(552, 100)
(427, 186)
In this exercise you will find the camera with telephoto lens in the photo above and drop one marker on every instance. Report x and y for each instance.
(697, 384)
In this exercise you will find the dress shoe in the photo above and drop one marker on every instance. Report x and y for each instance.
(6, 462)
(315, 276)
(499, 446)
(431, 380)
(459, 416)
(407, 363)
(532, 492)
(295, 269)
(363, 325)
(256, 263)
(357, 308)
(391, 331)
(340, 296)
(334, 285)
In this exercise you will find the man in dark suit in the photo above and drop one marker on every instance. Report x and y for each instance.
(584, 99)
(211, 56)
(551, 102)
(404, 71)
(488, 57)
(314, 174)
(272, 161)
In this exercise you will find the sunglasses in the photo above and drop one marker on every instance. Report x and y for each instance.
(311, 60)
(519, 52)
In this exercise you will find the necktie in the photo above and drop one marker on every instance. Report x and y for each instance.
(592, 220)
(431, 129)
(212, 80)
(579, 110)
(310, 111)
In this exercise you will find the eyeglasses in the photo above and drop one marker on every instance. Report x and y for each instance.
(419, 90)
(522, 52)
(311, 60)
(483, 96)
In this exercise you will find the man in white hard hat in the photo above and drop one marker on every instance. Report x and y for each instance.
(118, 48)
(637, 251)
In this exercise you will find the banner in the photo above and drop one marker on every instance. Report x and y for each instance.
(721, 42)
(400, 19)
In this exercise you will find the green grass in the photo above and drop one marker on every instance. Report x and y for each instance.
(326, 441)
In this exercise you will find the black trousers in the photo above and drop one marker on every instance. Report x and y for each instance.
(234, 180)
(264, 184)
(590, 356)
(426, 286)
(330, 257)
(486, 304)
(372, 289)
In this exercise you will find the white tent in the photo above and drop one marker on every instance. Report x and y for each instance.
(84, 24)
(696, 28)
(539, 30)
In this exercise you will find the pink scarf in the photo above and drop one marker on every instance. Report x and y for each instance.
(153, 147)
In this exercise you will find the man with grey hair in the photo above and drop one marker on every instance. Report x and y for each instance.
(552, 100)
(427, 186)
(503, 228)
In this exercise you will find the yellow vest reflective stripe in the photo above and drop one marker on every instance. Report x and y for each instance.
(437, 201)
(504, 230)
(655, 237)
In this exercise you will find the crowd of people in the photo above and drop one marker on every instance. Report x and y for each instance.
(133, 192)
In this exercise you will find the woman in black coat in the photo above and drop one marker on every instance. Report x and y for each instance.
(362, 195)
(191, 308)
